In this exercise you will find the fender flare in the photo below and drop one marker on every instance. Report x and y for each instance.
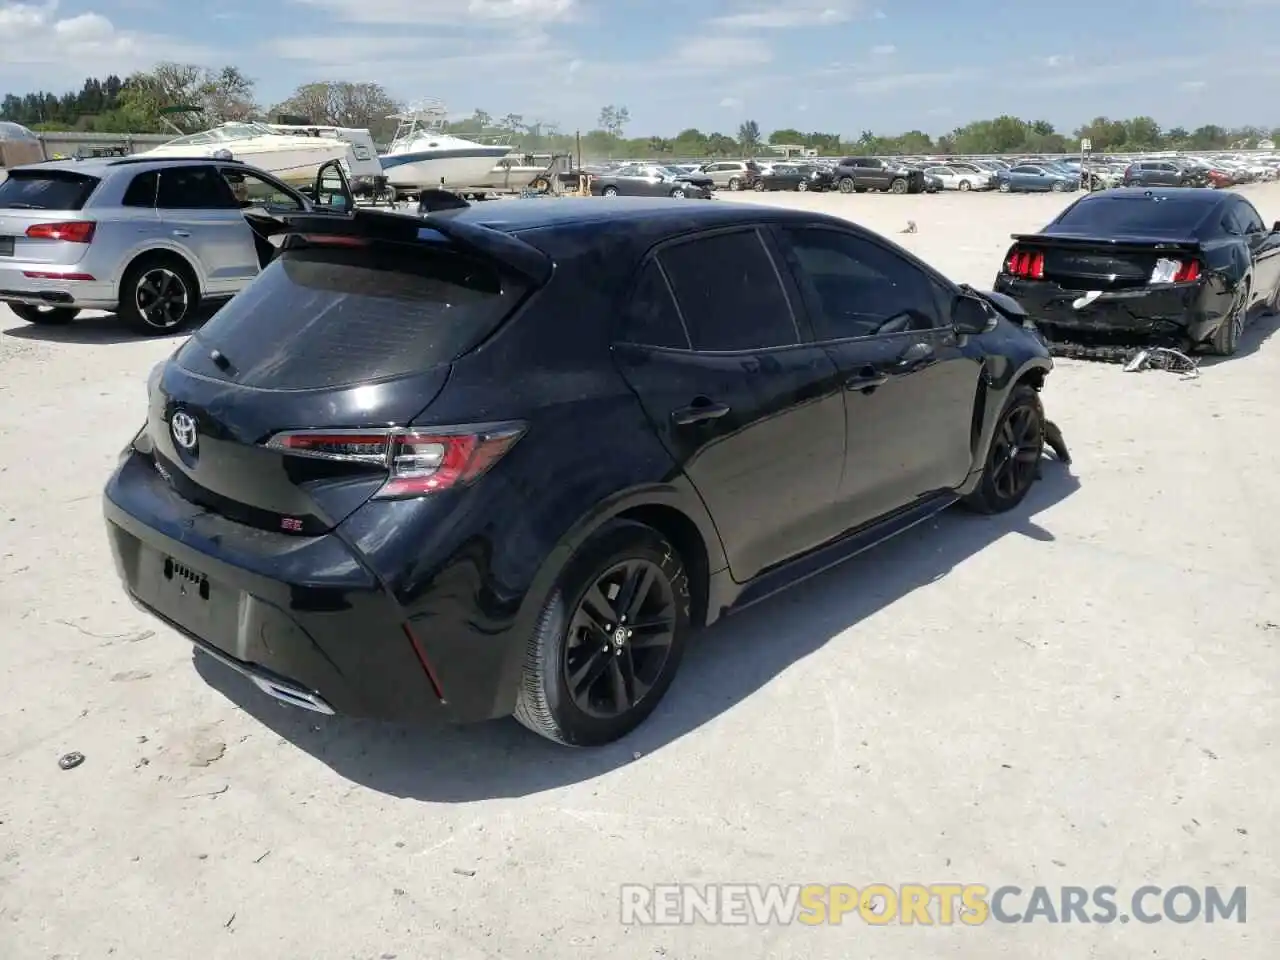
(166, 247)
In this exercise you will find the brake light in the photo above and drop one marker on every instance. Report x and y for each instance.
(1175, 271)
(72, 231)
(418, 462)
(1025, 264)
(333, 240)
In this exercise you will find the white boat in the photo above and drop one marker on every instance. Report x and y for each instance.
(291, 158)
(361, 159)
(423, 155)
(515, 172)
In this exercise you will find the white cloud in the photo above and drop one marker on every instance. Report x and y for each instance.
(427, 13)
(1059, 60)
(731, 103)
(884, 50)
(879, 15)
(796, 13)
(36, 45)
(724, 52)
(1193, 85)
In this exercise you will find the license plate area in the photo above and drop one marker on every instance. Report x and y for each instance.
(188, 598)
(6, 246)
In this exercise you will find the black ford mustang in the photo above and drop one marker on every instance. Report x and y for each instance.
(505, 457)
(1158, 266)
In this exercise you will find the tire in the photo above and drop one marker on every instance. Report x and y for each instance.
(546, 705)
(1005, 186)
(898, 186)
(1058, 186)
(541, 184)
(609, 192)
(846, 185)
(167, 276)
(735, 183)
(1226, 339)
(677, 194)
(758, 186)
(1022, 423)
(44, 316)
(965, 186)
(802, 186)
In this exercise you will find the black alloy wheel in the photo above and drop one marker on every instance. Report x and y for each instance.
(1013, 460)
(1226, 339)
(609, 639)
(158, 296)
(619, 638)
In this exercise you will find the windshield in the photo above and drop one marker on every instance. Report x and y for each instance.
(1136, 216)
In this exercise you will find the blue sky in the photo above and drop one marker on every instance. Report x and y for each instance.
(829, 65)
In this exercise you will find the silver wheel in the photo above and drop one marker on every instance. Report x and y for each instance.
(802, 186)
(609, 191)
(964, 185)
(162, 298)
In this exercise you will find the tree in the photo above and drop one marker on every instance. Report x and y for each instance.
(749, 137)
(215, 96)
(338, 103)
(613, 119)
(512, 122)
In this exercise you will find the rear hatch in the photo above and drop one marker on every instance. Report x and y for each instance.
(40, 215)
(339, 342)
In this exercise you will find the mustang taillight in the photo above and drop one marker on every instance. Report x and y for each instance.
(1175, 271)
(69, 231)
(1025, 264)
(418, 462)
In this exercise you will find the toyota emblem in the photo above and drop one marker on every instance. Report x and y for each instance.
(183, 428)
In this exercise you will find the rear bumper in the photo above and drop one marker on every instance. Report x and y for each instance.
(1168, 309)
(302, 617)
(45, 289)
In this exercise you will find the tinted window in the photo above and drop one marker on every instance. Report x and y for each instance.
(1135, 215)
(141, 192)
(729, 293)
(861, 288)
(45, 190)
(251, 190)
(324, 317)
(194, 188)
(1246, 217)
(652, 316)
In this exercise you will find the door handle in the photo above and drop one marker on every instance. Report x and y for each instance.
(868, 378)
(700, 410)
(181, 233)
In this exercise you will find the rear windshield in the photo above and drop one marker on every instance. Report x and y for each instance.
(45, 190)
(1135, 215)
(326, 317)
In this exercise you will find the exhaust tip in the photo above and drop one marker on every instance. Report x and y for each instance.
(293, 696)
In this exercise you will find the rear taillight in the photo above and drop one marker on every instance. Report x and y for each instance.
(72, 231)
(418, 462)
(1025, 264)
(1175, 271)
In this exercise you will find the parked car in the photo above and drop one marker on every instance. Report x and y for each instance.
(860, 174)
(647, 180)
(733, 174)
(149, 239)
(1169, 172)
(1031, 178)
(958, 179)
(1158, 265)
(363, 483)
(786, 176)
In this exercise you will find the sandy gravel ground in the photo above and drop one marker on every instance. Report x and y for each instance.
(1081, 693)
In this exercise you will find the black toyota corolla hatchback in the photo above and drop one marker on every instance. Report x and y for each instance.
(502, 459)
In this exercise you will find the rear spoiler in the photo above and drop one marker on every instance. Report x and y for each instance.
(511, 252)
(1119, 244)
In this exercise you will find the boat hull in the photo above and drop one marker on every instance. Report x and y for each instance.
(292, 164)
(434, 168)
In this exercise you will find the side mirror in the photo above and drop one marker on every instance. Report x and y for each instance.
(1275, 227)
(973, 316)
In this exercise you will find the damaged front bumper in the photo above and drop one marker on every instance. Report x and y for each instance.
(1108, 325)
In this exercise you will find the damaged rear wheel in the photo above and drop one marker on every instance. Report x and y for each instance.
(1226, 339)
(1014, 456)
